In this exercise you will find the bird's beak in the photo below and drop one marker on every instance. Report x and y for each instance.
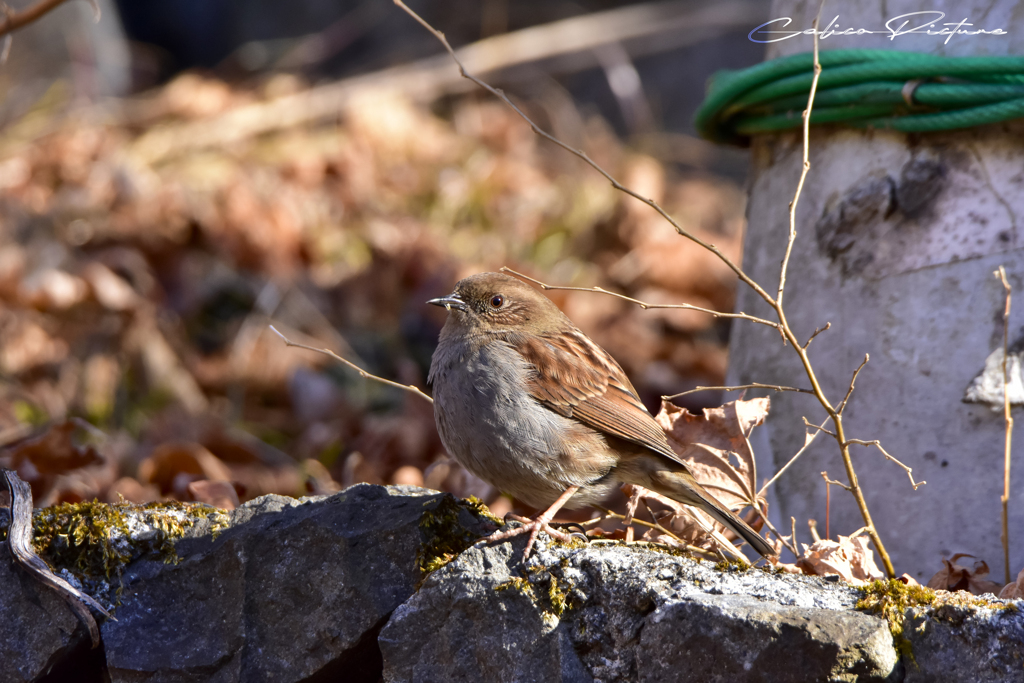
(449, 302)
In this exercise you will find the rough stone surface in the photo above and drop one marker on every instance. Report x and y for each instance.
(37, 628)
(627, 614)
(977, 644)
(328, 588)
(298, 588)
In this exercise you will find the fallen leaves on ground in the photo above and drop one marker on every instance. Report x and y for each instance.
(139, 274)
(957, 576)
(851, 558)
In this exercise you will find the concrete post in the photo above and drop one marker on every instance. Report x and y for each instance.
(898, 238)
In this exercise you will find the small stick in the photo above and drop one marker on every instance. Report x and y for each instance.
(833, 481)
(19, 542)
(828, 505)
(853, 381)
(1008, 418)
(808, 440)
(812, 524)
(642, 304)
(362, 373)
(608, 514)
(877, 444)
(753, 385)
(12, 21)
(818, 428)
(792, 531)
(817, 331)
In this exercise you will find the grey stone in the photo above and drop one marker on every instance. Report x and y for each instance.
(37, 628)
(623, 614)
(298, 589)
(966, 643)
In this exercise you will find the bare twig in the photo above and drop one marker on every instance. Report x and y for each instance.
(824, 475)
(19, 542)
(817, 331)
(590, 162)
(641, 304)
(608, 514)
(362, 373)
(792, 530)
(753, 385)
(853, 381)
(808, 440)
(790, 546)
(819, 428)
(12, 21)
(812, 524)
(890, 458)
(1008, 418)
(804, 169)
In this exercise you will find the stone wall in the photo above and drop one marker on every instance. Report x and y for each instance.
(334, 588)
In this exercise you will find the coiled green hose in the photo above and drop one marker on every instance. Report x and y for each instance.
(904, 91)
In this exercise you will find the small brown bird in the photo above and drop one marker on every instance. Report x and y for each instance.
(528, 403)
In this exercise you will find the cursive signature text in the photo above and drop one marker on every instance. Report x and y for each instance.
(923, 23)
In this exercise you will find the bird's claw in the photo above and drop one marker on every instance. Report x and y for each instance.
(532, 527)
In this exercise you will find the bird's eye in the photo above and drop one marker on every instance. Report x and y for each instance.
(497, 300)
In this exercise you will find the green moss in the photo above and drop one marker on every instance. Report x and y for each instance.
(519, 584)
(97, 539)
(445, 537)
(732, 564)
(560, 596)
(891, 599)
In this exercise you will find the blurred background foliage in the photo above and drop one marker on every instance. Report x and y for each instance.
(180, 175)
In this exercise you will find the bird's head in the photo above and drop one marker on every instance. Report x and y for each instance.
(498, 303)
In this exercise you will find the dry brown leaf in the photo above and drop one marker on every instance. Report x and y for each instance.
(111, 290)
(850, 558)
(959, 577)
(39, 460)
(1015, 590)
(27, 345)
(173, 466)
(220, 494)
(908, 580)
(715, 446)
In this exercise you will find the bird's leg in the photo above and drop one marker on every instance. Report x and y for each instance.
(541, 523)
(634, 502)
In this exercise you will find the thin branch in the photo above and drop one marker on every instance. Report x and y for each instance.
(853, 381)
(12, 21)
(819, 428)
(767, 522)
(808, 440)
(608, 514)
(362, 373)
(890, 458)
(1008, 418)
(754, 385)
(824, 475)
(590, 162)
(641, 304)
(19, 542)
(805, 167)
(812, 524)
(817, 331)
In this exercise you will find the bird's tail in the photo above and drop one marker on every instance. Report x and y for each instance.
(682, 487)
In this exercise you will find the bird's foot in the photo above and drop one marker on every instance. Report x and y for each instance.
(532, 527)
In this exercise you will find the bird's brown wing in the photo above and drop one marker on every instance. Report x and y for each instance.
(577, 378)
